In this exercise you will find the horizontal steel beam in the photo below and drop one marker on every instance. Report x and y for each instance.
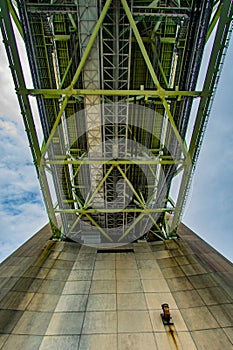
(144, 16)
(155, 9)
(112, 210)
(161, 93)
(114, 162)
(51, 8)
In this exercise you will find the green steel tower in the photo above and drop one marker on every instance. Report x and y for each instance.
(115, 81)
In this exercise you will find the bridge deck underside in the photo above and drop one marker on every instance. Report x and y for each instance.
(109, 76)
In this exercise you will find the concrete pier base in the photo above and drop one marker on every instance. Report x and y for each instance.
(61, 295)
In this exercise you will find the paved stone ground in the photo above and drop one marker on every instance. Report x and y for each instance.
(60, 295)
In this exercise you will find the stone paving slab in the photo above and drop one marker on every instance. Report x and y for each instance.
(77, 297)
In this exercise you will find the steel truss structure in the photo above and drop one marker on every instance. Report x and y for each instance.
(114, 82)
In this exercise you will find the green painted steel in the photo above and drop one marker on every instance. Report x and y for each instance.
(146, 94)
(15, 17)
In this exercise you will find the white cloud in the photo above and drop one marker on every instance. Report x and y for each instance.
(22, 212)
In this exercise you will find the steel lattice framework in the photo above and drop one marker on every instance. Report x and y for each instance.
(115, 82)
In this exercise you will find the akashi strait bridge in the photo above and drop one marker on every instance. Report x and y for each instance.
(115, 85)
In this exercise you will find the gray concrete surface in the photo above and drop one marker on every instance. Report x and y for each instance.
(60, 295)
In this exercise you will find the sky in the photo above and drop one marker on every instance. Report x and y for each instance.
(22, 211)
(208, 211)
